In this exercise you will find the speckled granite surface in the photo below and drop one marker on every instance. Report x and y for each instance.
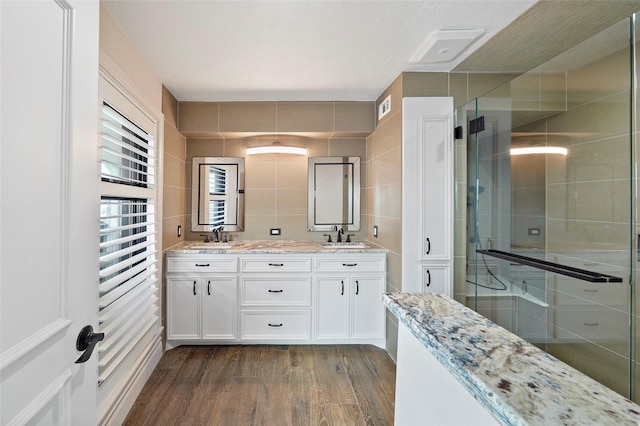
(271, 246)
(517, 382)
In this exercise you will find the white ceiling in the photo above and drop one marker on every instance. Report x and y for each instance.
(296, 50)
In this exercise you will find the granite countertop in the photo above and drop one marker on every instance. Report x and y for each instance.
(271, 246)
(514, 380)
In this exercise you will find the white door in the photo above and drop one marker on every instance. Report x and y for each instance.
(49, 210)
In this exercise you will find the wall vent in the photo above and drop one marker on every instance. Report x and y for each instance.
(384, 107)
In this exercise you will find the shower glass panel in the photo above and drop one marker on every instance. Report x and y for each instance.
(549, 247)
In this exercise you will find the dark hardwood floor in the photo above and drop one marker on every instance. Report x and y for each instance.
(269, 385)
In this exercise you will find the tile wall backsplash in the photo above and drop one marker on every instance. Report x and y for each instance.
(276, 184)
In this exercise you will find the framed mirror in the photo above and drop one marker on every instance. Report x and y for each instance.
(334, 193)
(217, 193)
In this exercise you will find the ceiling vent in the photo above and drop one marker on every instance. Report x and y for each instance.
(445, 45)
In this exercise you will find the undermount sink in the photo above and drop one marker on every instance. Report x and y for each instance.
(212, 246)
(344, 245)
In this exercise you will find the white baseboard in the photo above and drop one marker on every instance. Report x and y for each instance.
(141, 373)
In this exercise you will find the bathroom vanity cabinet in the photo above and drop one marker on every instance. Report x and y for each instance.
(202, 298)
(275, 301)
(348, 290)
(276, 298)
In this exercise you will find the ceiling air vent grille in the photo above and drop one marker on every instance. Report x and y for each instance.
(445, 45)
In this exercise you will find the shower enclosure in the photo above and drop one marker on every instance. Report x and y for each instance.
(550, 251)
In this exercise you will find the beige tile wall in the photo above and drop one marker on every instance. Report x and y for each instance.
(276, 184)
(174, 183)
(244, 119)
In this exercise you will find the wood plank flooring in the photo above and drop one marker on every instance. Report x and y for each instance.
(269, 385)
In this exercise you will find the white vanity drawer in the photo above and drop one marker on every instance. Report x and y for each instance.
(202, 264)
(573, 292)
(276, 324)
(598, 325)
(350, 263)
(276, 264)
(276, 291)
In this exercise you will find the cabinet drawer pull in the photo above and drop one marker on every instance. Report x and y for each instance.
(428, 278)
(194, 288)
(595, 290)
(357, 287)
(209, 287)
(349, 264)
(275, 325)
(203, 264)
(590, 324)
(275, 291)
(342, 291)
(276, 264)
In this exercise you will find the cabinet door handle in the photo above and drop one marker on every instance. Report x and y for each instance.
(342, 291)
(428, 246)
(349, 264)
(595, 290)
(203, 264)
(194, 288)
(276, 264)
(428, 278)
(357, 287)
(209, 287)
(275, 291)
(275, 325)
(590, 324)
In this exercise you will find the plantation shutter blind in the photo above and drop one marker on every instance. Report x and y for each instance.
(128, 295)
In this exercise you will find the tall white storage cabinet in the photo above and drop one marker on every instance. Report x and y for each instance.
(427, 195)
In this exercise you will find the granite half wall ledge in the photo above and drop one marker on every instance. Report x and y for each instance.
(518, 383)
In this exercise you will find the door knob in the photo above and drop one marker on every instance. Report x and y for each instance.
(87, 341)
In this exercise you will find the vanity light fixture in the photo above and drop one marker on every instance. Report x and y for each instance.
(539, 150)
(276, 148)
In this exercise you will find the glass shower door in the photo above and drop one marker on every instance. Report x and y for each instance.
(549, 207)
